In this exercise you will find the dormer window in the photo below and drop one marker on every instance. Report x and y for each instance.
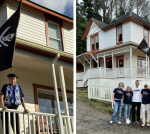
(94, 42)
(54, 35)
(146, 30)
(119, 34)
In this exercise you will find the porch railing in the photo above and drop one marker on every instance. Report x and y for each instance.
(33, 122)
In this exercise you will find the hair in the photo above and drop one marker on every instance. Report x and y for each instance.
(145, 86)
(137, 81)
(120, 84)
(129, 87)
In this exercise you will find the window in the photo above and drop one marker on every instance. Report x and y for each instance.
(94, 42)
(54, 35)
(142, 62)
(109, 62)
(47, 103)
(80, 67)
(94, 63)
(146, 35)
(120, 61)
(119, 33)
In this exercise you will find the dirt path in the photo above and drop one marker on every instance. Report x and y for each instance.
(92, 121)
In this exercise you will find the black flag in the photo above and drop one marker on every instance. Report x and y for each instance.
(8, 39)
(144, 47)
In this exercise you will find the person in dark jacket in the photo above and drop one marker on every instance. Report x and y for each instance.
(117, 102)
(127, 104)
(11, 97)
(145, 106)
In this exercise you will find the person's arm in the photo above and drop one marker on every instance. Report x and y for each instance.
(113, 97)
(2, 103)
(24, 106)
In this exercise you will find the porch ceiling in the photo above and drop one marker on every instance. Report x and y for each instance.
(30, 61)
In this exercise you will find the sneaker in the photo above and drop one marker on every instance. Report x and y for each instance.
(119, 122)
(129, 121)
(142, 125)
(133, 122)
(111, 122)
(137, 122)
(148, 125)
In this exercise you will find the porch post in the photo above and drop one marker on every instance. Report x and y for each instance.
(113, 63)
(57, 100)
(97, 62)
(84, 66)
(131, 62)
(90, 64)
(146, 66)
(104, 64)
(64, 96)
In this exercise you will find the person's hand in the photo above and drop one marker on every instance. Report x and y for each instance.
(4, 108)
(26, 110)
(114, 102)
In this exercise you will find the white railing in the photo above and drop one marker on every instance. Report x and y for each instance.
(121, 72)
(33, 122)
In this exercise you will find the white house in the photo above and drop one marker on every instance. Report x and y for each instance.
(44, 37)
(112, 55)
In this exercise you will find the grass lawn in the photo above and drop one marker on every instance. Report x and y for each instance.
(104, 106)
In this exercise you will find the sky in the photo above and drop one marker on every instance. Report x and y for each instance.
(64, 7)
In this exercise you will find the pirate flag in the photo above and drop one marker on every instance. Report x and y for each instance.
(8, 38)
(144, 47)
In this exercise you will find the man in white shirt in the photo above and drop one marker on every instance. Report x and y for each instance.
(136, 102)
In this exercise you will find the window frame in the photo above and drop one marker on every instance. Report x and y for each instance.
(117, 34)
(91, 36)
(108, 58)
(117, 58)
(140, 57)
(61, 28)
(144, 33)
(48, 88)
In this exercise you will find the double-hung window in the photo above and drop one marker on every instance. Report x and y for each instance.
(119, 34)
(94, 42)
(54, 34)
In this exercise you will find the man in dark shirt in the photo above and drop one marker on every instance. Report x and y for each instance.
(11, 97)
(145, 106)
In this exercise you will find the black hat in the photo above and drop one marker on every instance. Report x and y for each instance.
(12, 75)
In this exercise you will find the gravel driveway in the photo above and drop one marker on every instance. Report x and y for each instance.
(92, 121)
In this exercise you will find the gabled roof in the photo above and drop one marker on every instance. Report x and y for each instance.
(128, 16)
(100, 24)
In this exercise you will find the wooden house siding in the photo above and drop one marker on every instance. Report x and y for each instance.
(68, 38)
(31, 26)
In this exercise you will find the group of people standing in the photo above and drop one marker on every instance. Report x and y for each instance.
(136, 98)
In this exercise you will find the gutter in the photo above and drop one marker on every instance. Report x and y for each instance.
(43, 50)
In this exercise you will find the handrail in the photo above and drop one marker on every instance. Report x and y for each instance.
(33, 113)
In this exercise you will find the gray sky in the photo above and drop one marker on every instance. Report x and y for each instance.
(64, 7)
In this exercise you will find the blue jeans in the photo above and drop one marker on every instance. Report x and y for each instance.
(127, 108)
(117, 108)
